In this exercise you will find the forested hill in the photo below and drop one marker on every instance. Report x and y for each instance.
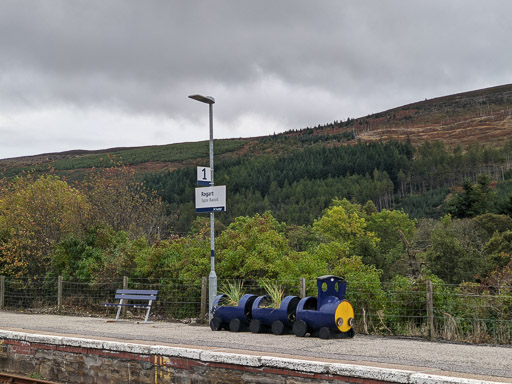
(482, 116)
(407, 157)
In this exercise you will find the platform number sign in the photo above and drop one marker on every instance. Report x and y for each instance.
(204, 176)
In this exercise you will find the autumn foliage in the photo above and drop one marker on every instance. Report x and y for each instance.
(35, 215)
(40, 215)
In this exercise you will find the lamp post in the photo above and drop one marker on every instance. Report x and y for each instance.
(213, 276)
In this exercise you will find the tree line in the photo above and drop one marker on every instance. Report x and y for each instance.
(297, 186)
(111, 225)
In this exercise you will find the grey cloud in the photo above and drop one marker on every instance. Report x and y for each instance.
(344, 58)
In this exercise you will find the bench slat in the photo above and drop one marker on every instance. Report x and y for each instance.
(137, 292)
(126, 305)
(135, 297)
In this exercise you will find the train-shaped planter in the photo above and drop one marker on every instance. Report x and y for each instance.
(328, 316)
(235, 318)
(278, 320)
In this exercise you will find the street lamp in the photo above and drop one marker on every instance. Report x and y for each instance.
(213, 276)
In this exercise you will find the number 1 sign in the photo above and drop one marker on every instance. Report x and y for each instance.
(204, 176)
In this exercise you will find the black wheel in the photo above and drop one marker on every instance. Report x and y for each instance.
(300, 328)
(255, 326)
(215, 324)
(277, 327)
(349, 334)
(324, 333)
(235, 325)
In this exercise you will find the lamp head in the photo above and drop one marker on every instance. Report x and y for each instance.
(203, 99)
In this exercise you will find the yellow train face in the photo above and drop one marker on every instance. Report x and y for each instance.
(344, 316)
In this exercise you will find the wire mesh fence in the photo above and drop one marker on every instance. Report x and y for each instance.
(85, 298)
(29, 293)
(466, 312)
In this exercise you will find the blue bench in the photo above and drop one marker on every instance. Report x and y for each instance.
(144, 297)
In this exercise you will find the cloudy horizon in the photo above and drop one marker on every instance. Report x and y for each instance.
(91, 75)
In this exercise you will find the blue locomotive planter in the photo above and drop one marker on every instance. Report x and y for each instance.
(234, 318)
(278, 320)
(329, 315)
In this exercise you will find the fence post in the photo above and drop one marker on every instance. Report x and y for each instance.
(203, 298)
(302, 287)
(125, 286)
(2, 291)
(430, 310)
(59, 294)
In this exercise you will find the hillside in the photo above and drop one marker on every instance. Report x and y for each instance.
(482, 116)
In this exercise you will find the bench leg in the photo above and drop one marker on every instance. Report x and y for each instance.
(119, 309)
(147, 312)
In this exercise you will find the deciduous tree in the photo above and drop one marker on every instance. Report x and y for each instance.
(35, 214)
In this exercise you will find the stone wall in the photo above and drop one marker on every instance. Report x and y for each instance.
(75, 360)
(70, 364)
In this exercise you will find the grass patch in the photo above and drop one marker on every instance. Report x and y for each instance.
(275, 293)
(233, 292)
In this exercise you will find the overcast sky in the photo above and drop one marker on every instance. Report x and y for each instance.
(93, 74)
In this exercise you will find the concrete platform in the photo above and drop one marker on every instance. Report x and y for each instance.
(366, 357)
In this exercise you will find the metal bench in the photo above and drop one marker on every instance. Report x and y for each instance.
(123, 295)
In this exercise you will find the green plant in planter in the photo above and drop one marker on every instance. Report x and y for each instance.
(233, 292)
(275, 294)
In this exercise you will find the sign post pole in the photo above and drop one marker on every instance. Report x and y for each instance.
(213, 276)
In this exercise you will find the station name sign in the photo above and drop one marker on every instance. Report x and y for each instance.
(211, 199)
